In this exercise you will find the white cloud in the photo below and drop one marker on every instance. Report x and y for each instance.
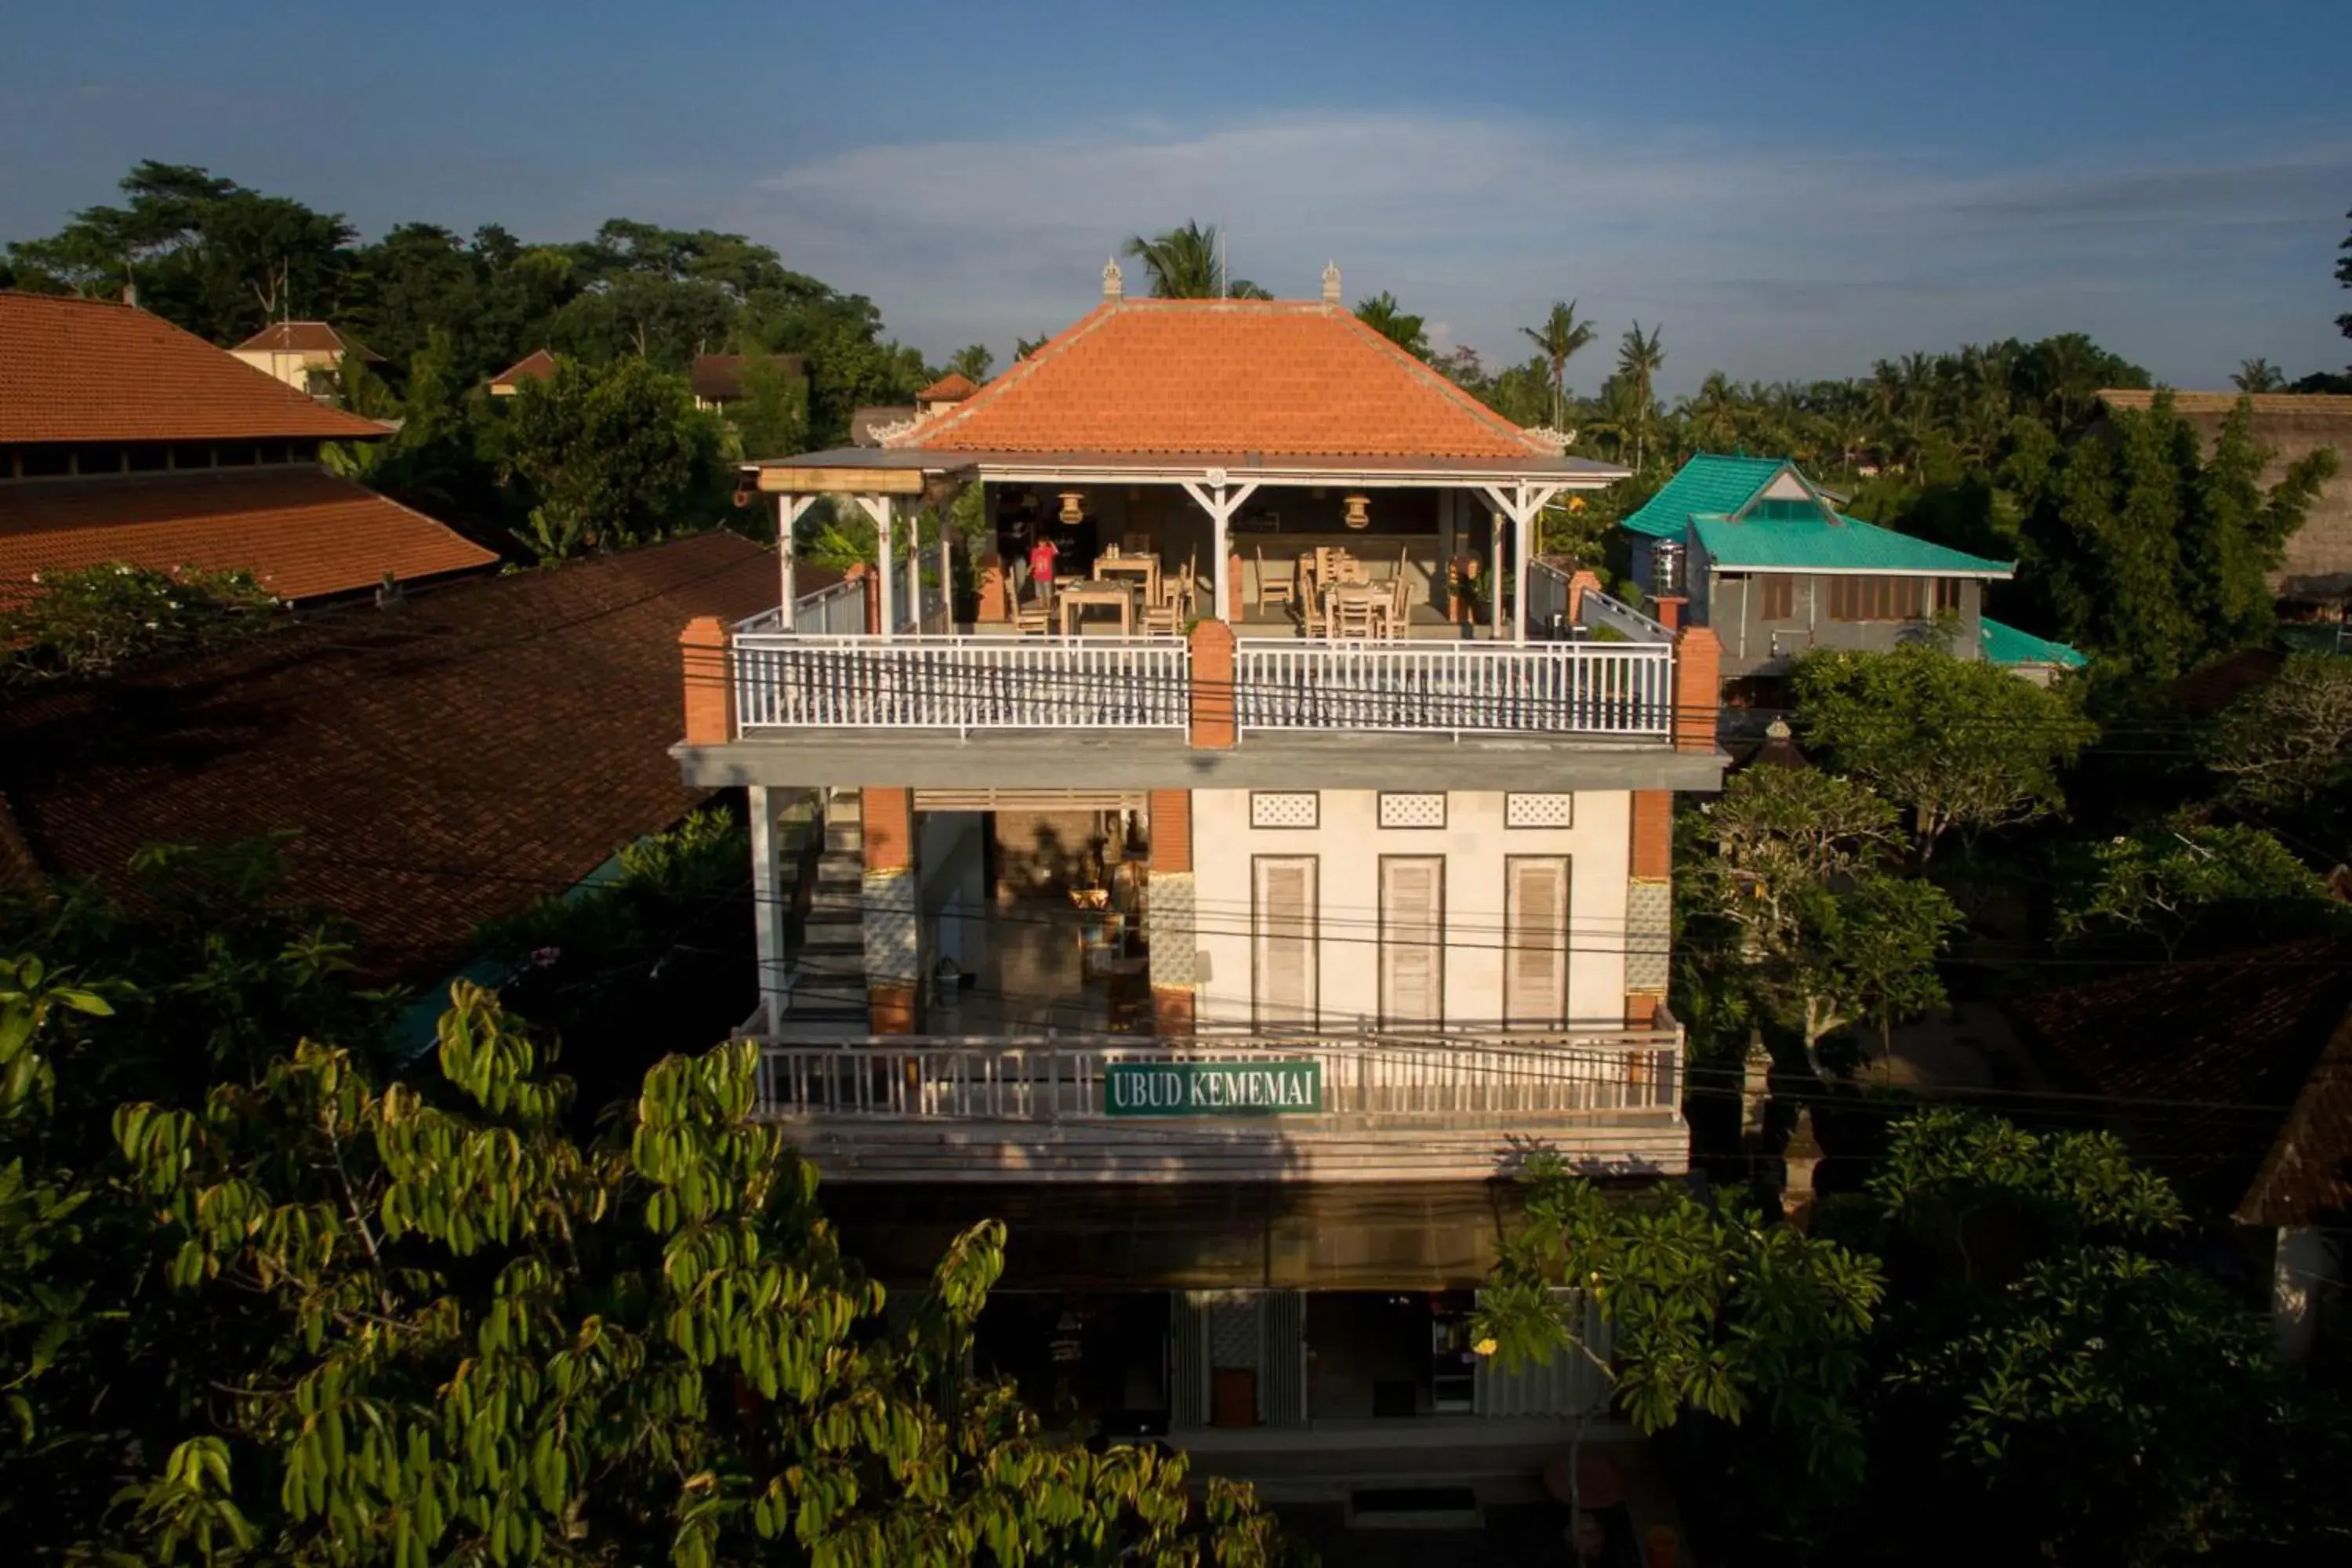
(1787, 260)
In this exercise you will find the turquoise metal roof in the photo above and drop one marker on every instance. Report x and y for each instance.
(2005, 643)
(1706, 484)
(1846, 544)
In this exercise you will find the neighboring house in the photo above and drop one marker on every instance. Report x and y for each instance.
(718, 379)
(1751, 548)
(2318, 564)
(2231, 1076)
(536, 365)
(1236, 961)
(944, 394)
(441, 765)
(123, 438)
(867, 426)
(306, 355)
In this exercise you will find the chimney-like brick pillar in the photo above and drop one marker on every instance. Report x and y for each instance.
(1213, 718)
(710, 684)
(1175, 944)
(1667, 609)
(1579, 582)
(1649, 906)
(1698, 688)
(894, 967)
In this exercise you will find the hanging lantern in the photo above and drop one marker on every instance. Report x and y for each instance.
(1074, 508)
(1359, 512)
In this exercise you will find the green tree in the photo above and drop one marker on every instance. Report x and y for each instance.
(611, 454)
(2286, 745)
(973, 362)
(1640, 357)
(1558, 339)
(2344, 279)
(1385, 315)
(91, 620)
(770, 416)
(1186, 264)
(1960, 744)
(1865, 953)
(2258, 376)
(2170, 881)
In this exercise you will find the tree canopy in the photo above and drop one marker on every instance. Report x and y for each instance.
(1185, 263)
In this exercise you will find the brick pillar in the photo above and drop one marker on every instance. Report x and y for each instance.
(1579, 582)
(1698, 688)
(1175, 944)
(894, 968)
(710, 686)
(870, 588)
(994, 605)
(1667, 609)
(1236, 597)
(1649, 906)
(1213, 686)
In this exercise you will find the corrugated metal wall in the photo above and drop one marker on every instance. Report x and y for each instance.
(1567, 1385)
(1282, 1375)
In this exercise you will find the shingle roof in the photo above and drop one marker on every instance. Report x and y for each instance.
(719, 378)
(1707, 484)
(302, 532)
(307, 338)
(1225, 377)
(2247, 1054)
(952, 387)
(2320, 404)
(2004, 644)
(1844, 544)
(536, 365)
(444, 763)
(86, 370)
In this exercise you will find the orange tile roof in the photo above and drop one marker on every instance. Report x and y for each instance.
(302, 532)
(536, 365)
(87, 370)
(952, 387)
(1225, 377)
(2316, 405)
(306, 338)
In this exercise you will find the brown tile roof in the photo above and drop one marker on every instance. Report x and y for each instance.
(86, 370)
(1225, 377)
(444, 763)
(2230, 1063)
(952, 387)
(719, 378)
(536, 365)
(303, 531)
(2312, 404)
(307, 338)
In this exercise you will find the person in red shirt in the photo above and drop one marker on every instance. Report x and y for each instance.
(1041, 567)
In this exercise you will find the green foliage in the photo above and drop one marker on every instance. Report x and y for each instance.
(1385, 315)
(1959, 744)
(611, 453)
(973, 362)
(1557, 340)
(91, 620)
(1183, 263)
(2171, 881)
(288, 1311)
(2286, 745)
(770, 418)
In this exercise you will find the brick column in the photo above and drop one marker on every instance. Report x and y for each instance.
(1175, 944)
(1698, 688)
(1579, 582)
(709, 685)
(894, 967)
(1649, 906)
(1213, 718)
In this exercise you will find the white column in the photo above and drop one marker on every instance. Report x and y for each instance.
(1495, 571)
(947, 579)
(1523, 525)
(879, 508)
(1220, 503)
(915, 567)
(767, 900)
(784, 557)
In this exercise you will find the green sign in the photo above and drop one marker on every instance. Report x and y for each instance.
(1213, 1089)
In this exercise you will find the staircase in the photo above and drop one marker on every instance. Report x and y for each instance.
(827, 1000)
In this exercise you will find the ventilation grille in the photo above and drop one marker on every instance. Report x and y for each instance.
(1412, 810)
(1539, 811)
(1284, 808)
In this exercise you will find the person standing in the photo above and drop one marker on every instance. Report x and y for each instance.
(1041, 567)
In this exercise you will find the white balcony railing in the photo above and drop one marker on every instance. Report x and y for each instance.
(1612, 690)
(959, 683)
(1403, 1081)
(1600, 610)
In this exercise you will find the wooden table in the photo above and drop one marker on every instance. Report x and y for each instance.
(1145, 568)
(1361, 597)
(1076, 596)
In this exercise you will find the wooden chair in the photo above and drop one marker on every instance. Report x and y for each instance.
(1162, 619)
(1033, 619)
(1354, 618)
(1315, 611)
(1272, 590)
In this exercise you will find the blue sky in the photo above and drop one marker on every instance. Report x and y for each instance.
(1792, 188)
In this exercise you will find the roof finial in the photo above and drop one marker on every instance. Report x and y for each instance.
(1330, 282)
(1114, 281)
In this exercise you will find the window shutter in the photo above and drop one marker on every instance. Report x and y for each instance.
(1286, 939)
(1535, 978)
(1413, 935)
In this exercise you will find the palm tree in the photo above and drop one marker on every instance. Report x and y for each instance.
(2259, 375)
(1184, 265)
(1386, 317)
(1714, 413)
(1639, 359)
(1560, 336)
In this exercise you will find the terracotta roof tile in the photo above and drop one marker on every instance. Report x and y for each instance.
(307, 338)
(952, 387)
(536, 365)
(301, 531)
(1225, 377)
(85, 369)
(443, 764)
